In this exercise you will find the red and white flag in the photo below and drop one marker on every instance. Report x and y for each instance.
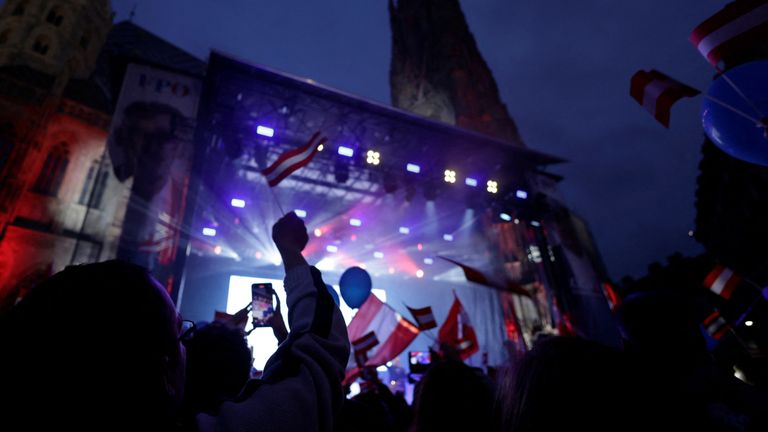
(611, 296)
(365, 343)
(393, 332)
(737, 28)
(474, 275)
(424, 317)
(292, 160)
(457, 331)
(716, 325)
(722, 281)
(657, 92)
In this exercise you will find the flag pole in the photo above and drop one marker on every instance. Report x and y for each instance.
(277, 201)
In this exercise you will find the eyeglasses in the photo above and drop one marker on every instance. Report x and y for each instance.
(188, 328)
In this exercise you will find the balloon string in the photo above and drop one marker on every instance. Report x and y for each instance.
(738, 90)
(735, 110)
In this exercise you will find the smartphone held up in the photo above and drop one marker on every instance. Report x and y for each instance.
(263, 304)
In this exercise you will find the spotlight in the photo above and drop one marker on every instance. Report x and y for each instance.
(355, 222)
(535, 223)
(372, 157)
(321, 147)
(209, 232)
(429, 261)
(448, 237)
(237, 202)
(217, 250)
(318, 232)
(300, 213)
(413, 168)
(749, 323)
(521, 194)
(332, 248)
(492, 186)
(419, 273)
(420, 247)
(265, 131)
(346, 151)
(505, 217)
(404, 230)
(469, 181)
(449, 176)
(378, 255)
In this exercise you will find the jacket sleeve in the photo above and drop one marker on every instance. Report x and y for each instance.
(301, 386)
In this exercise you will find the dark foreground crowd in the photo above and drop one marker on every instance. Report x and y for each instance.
(101, 347)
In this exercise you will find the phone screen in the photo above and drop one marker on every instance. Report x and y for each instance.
(419, 361)
(263, 308)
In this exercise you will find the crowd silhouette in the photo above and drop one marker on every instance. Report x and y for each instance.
(126, 361)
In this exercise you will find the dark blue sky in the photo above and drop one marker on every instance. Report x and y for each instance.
(563, 68)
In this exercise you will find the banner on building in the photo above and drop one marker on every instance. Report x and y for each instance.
(150, 148)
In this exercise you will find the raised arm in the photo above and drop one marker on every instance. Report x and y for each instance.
(301, 386)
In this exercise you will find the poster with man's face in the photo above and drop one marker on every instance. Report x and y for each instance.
(150, 145)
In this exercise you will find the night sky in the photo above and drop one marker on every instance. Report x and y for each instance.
(563, 68)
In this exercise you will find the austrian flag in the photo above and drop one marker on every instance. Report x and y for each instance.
(657, 92)
(737, 28)
(292, 160)
(722, 281)
(716, 326)
(425, 320)
(365, 343)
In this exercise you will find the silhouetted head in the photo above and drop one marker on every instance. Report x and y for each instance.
(659, 325)
(453, 396)
(92, 344)
(567, 383)
(218, 366)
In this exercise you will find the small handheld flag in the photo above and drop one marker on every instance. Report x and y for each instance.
(715, 325)
(657, 92)
(425, 320)
(738, 27)
(291, 161)
(722, 281)
(474, 275)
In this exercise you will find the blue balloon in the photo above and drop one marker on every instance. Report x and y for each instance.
(735, 134)
(333, 293)
(355, 284)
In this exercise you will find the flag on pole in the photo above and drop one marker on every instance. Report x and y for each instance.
(722, 281)
(424, 317)
(474, 275)
(657, 92)
(734, 29)
(365, 343)
(376, 317)
(292, 160)
(715, 325)
(457, 331)
(361, 347)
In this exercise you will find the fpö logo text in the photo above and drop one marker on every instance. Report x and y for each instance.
(163, 86)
